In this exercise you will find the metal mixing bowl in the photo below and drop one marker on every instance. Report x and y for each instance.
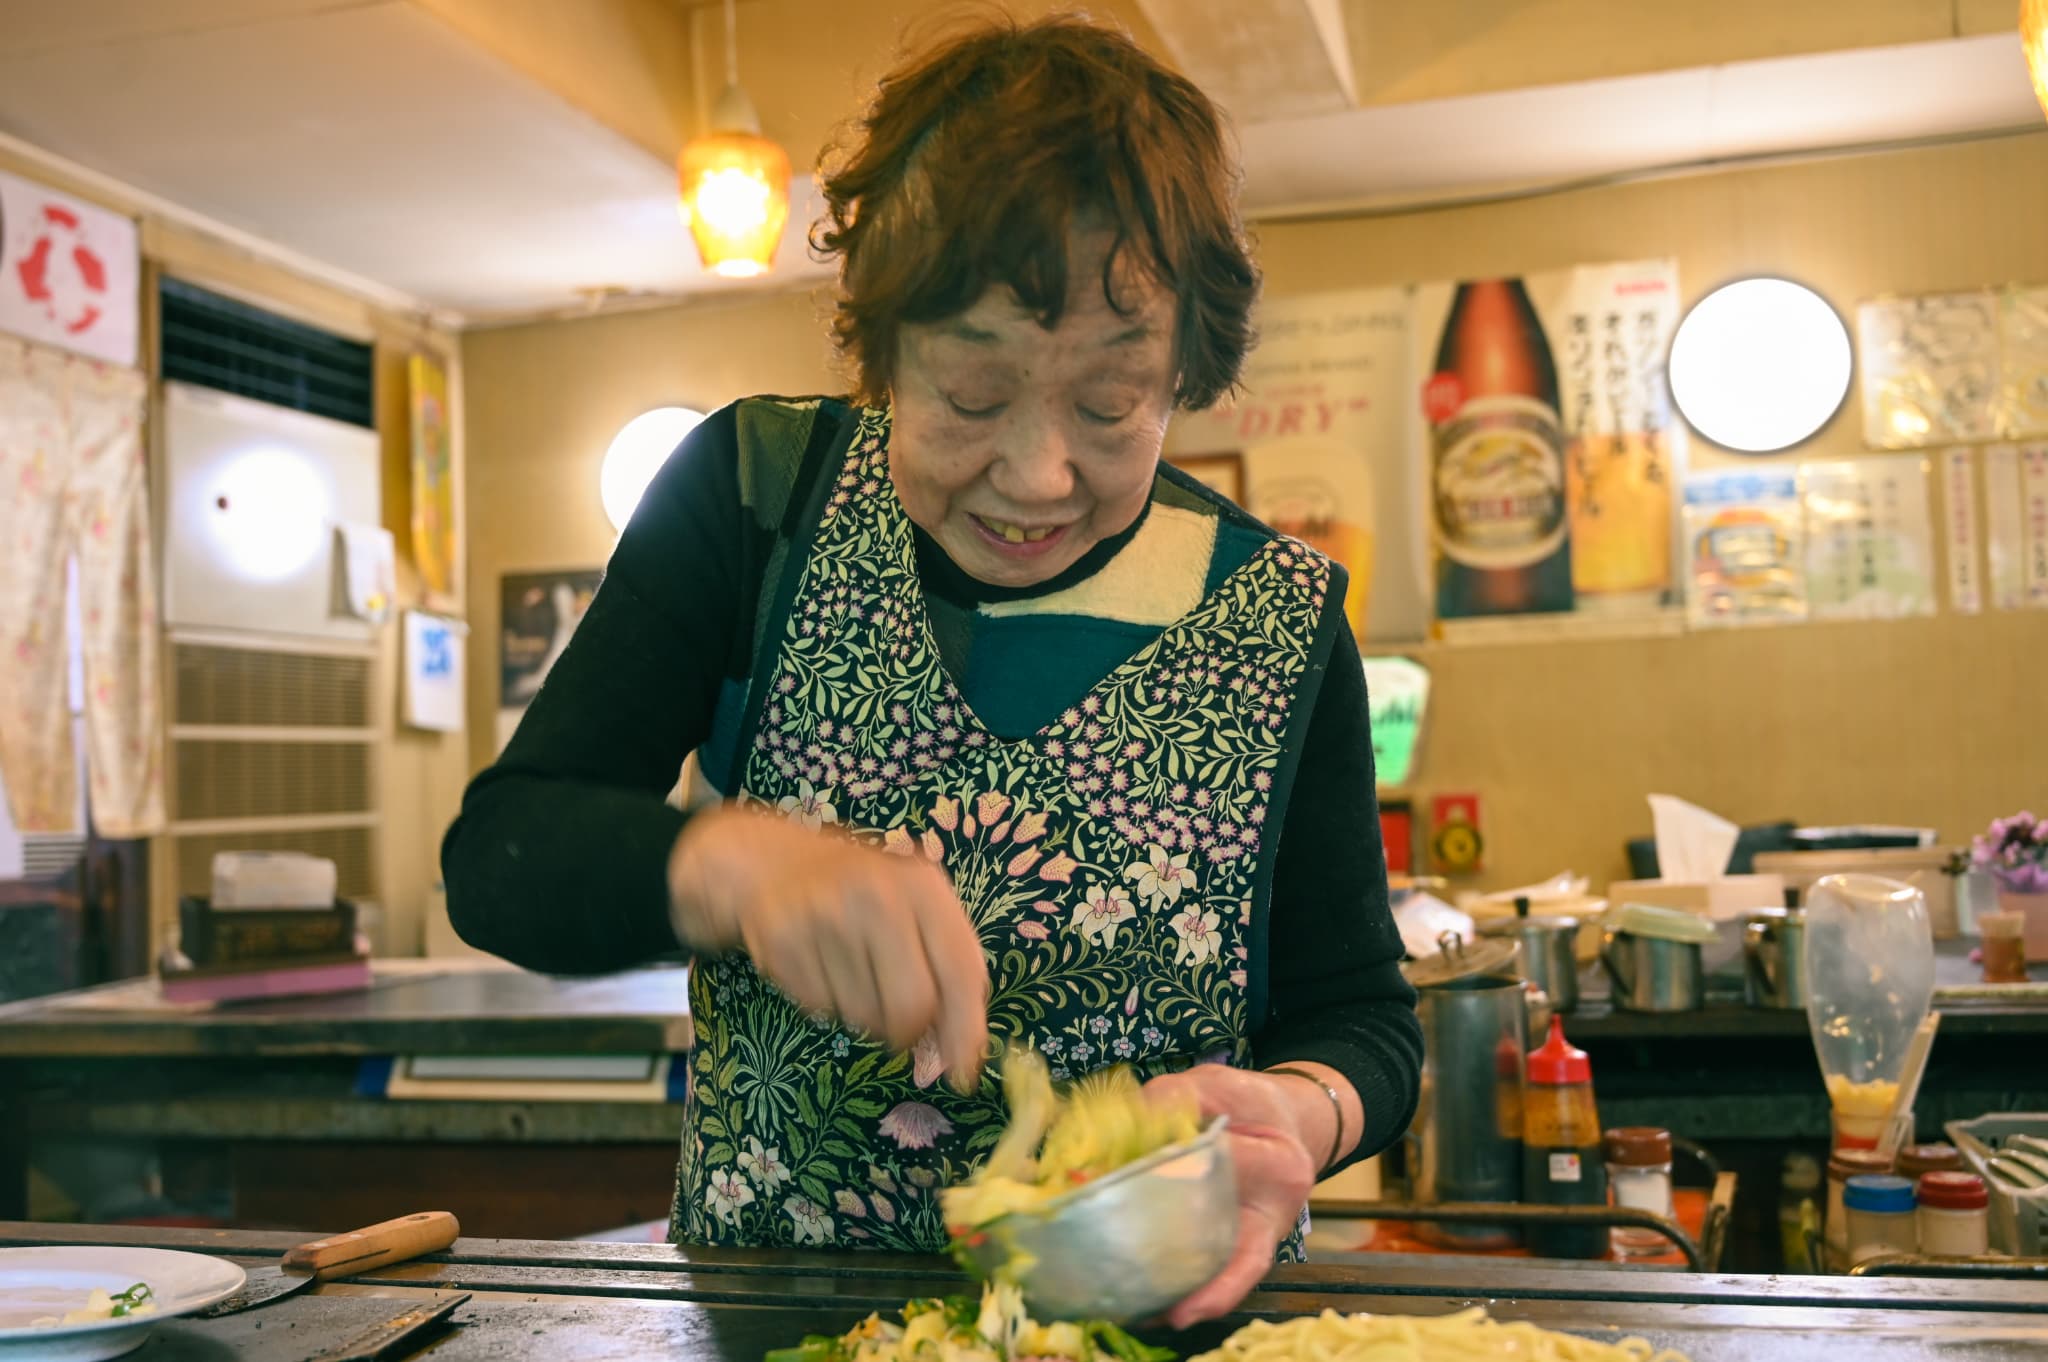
(1128, 1245)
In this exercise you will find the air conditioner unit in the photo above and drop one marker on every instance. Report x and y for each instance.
(255, 495)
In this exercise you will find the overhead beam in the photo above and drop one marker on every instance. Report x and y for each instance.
(626, 63)
(1261, 59)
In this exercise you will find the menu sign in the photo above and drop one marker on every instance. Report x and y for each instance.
(2034, 524)
(1869, 541)
(1959, 493)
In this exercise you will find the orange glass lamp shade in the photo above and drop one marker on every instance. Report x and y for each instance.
(735, 192)
(2034, 37)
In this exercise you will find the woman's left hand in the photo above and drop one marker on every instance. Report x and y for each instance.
(1275, 1171)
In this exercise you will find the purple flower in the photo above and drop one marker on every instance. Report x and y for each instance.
(2015, 851)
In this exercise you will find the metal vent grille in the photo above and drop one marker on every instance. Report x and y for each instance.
(217, 342)
(45, 855)
(271, 779)
(353, 851)
(245, 686)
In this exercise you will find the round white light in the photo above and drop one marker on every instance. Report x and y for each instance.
(1760, 364)
(637, 453)
(272, 511)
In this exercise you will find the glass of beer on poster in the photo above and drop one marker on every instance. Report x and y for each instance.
(1311, 510)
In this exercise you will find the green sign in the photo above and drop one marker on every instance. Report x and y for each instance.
(1399, 690)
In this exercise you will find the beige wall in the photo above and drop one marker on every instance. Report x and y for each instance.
(420, 775)
(1927, 722)
(545, 400)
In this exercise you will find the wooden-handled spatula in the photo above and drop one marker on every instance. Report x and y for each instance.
(344, 1255)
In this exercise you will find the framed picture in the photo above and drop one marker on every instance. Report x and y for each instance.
(538, 611)
(1221, 473)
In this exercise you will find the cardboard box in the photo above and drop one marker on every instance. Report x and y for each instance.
(1920, 867)
(1730, 897)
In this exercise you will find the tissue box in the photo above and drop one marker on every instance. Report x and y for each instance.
(272, 879)
(1920, 867)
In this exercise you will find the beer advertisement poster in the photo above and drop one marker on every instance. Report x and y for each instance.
(1551, 457)
(1315, 445)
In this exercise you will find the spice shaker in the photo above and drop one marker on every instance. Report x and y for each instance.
(1639, 1174)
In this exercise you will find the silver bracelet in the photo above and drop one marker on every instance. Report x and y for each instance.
(1336, 1110)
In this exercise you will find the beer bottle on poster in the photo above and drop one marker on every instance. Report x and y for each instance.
(1498, 470)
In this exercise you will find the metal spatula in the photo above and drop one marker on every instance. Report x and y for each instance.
(344, 1255)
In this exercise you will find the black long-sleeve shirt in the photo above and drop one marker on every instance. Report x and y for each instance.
(559, 859)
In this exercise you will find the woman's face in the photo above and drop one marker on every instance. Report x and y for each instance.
(1019, 449)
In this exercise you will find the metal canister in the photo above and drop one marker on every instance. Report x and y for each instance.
(1547, 958)
(1653, 957)
(1466, 1142)
(1652, 973)
(1774, 958)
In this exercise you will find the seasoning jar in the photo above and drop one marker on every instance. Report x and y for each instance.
(1639, 1176)
(1844, 1164)
(1916, 1161)
(1881, 1217)
(1561, 1163)
(1954, 1215)
(1798, 1187)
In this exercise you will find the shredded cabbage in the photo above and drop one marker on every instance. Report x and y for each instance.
(996, 1329)
(1054, 1144)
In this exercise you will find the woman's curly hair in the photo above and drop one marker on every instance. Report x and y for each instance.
(977, 161)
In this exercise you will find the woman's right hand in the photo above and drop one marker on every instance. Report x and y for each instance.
(879, 941)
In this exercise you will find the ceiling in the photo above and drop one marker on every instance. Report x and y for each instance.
(1478, 144)
(383, 140)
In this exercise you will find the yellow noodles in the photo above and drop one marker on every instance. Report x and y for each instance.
(1469, 1336)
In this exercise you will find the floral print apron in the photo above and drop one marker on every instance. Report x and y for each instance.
(1111, 863)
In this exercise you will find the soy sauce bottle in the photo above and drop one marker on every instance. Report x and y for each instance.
(1562, 1163)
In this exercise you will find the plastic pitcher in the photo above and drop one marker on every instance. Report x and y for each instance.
(1869, 971)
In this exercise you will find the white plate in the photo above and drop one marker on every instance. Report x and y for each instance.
(35, 1282)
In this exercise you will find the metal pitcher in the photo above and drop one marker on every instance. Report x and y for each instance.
(1774, 958)
(1548, 958)
(1466, 1143)
(1652, 974)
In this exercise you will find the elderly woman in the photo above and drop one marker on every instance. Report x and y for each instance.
(1024, 736)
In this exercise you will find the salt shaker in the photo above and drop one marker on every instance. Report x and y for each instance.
(1639, 1175)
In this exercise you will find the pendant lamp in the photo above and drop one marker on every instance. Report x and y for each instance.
(2034, 37)
(734, 183)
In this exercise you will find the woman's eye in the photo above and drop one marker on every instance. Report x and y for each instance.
(1103, 418)
(973, 413)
